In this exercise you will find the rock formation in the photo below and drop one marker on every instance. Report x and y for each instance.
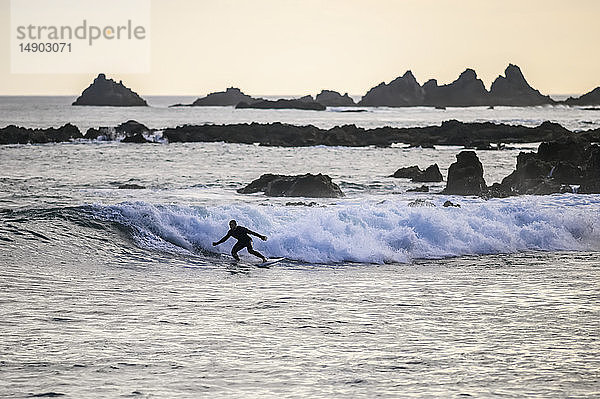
(591, 98)
(301, 103)
(229, 97)
(431, 174)
(20, 135)
(513, 90)
(308, 185)
(107, 92)
(404, 91)
(465, 176)
(465, 91)
(331, 98)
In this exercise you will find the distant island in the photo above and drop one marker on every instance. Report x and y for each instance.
(107, 92)
(467, 90)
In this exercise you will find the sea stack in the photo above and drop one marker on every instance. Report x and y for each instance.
(230, 97)
(591, 98)
(513, 90)
(468, 90)
(107, 92)
(404, 91)
(331, 98)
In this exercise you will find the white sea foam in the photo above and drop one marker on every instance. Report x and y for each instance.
(373, 232)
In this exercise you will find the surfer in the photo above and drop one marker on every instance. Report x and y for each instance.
(240, 233)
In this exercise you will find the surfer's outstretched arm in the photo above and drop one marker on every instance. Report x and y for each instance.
(264, 238)
(222, 240)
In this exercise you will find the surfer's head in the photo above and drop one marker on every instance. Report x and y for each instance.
(232, 223)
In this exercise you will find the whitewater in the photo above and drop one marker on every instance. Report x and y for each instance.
(112, 292)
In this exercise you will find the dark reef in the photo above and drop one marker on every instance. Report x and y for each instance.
(308, 185)
(306, 103)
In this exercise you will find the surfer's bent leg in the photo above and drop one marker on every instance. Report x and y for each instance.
(236, 248)
(255, 253)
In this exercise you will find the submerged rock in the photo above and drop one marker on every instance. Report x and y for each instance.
(107, 92)
(451, 204)
(130, 186)
(136, 138)
(465, 176)
(308, 185)
(422, 189)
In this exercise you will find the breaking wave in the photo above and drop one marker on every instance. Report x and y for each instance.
(369, 232)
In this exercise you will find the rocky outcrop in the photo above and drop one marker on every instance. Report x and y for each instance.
(408, 172)
(431, 174)
(308, 185)
(591, 98)
(513, 90)
(285, 135)
(465, 91)
(131, 128)
(403, 91)
(230, 97)
(107, 92)
(331, 98)
(465, 176)
(304, 103)
(555, 168)
(20, 135)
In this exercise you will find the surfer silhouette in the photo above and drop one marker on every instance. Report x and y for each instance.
(240, 233)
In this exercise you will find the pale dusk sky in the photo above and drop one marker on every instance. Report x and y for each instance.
(282, 47)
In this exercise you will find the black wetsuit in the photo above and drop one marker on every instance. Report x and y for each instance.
(240, 233)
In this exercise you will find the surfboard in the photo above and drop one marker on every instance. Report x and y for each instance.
(269, 262)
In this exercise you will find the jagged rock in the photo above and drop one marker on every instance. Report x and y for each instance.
(422, 189)
(465, 176)
(431, 174)
(331, 98)
(107, 92)
(136, 138)
(307, 99)
(403, 91)
(308, 185)
(513, 90)
(231, 96)
(408, 172)
(283, 104)
(465, 91)
(20, 135)
(591, 98)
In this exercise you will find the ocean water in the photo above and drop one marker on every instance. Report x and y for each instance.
(108, 292)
